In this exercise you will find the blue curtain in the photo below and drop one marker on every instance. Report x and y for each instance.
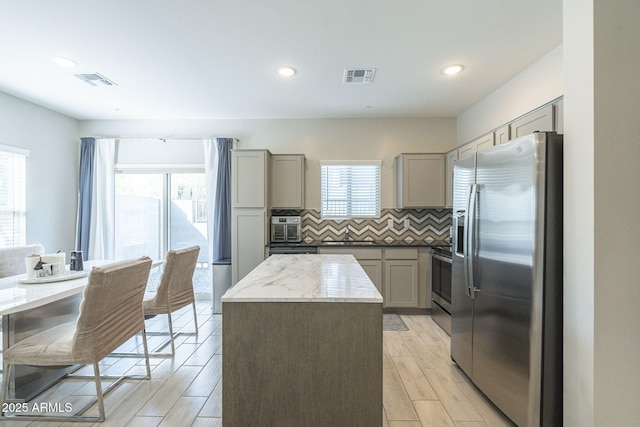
(222, 213)
(87, 153)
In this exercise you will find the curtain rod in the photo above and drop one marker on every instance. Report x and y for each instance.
(164, 138)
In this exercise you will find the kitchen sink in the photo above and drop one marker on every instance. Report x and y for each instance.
(347, 243)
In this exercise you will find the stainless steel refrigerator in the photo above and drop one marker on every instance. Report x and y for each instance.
(506, 320)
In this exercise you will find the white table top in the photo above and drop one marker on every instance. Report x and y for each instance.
(305, 278)
(16, 297)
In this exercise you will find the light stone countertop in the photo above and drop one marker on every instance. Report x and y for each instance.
(305, 278)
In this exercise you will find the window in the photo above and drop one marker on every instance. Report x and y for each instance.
(350, 189)
(13, 189)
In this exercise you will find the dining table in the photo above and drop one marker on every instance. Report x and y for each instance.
(31, 305)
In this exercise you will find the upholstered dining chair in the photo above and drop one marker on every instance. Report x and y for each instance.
(12, 258)
(174, 292)
(110, 314)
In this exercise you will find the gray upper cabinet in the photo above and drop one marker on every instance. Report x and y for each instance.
(501, 135)
(420, 180)
(467, 150)
(479, 144)
(483, 142)
(287, 181)
(538, 120)
(249, 178)
(451, 157)
(559, 116)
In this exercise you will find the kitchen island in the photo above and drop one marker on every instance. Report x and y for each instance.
(302, 339)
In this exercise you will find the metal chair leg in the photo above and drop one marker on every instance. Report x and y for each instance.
(195, 316)
(146, 353)
(96, 374)
(173, 348)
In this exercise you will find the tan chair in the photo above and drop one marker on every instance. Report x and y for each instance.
(110, 314)
(174, 292)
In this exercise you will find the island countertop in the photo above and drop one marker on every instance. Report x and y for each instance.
(305, 278)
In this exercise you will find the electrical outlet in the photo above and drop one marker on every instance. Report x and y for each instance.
(390, 223)
(407, 223)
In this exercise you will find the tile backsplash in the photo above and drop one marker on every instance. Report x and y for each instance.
(424, 224)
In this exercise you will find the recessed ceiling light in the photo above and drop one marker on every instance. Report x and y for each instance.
(64, 62)
(452, 69)
(286, 71)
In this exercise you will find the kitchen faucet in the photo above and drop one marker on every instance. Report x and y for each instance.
(346, 233)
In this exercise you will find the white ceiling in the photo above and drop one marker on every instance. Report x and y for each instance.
(208, 59)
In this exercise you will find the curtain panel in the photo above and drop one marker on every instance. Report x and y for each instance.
(85, 192)
(222, 214)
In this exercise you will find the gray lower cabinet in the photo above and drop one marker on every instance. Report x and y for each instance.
(401, 280)
(401, 277)
(373, 268)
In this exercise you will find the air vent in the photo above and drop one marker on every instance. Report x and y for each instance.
(95, 79)
(362, 75)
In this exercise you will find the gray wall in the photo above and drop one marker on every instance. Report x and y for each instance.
(52, 169)
(318, 139)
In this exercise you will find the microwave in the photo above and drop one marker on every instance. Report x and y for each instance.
(286, 229)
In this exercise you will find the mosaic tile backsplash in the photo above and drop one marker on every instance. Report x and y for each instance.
(424, 224)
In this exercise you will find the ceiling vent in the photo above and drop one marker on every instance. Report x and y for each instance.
(95, 79)
(361, 75)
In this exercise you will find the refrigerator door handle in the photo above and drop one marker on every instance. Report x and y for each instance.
(471, 239)
(465, 244)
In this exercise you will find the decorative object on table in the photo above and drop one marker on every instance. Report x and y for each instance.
(75, 263)
(393, 322)
(31, 262)
(46, 265)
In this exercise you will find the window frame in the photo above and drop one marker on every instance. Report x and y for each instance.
(351, 164)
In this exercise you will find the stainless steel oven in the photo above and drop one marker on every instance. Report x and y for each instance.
(441, 287)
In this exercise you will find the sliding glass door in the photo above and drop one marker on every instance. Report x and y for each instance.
(161, 210)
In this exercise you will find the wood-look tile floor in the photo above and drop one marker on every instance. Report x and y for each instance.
(422, 387)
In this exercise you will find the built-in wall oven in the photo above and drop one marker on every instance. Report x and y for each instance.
(441, 287)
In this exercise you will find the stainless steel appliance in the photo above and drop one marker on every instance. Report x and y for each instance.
(506, 323)
(286, 229)
(441, 287)
(283, 248)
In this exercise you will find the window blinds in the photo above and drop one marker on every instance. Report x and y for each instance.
(12, 196)
(350, 190)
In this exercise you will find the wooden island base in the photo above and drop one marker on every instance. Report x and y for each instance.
(297, 364)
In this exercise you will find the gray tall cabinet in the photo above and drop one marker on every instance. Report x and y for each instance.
(250, 203)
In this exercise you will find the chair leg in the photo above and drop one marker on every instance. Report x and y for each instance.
(195, 316)
(173, 348)
(6, 379)
(146, 353)
(96, 374)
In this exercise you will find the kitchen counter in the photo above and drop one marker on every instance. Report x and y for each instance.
(305, 278)
(302, 338)
(365, 243)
